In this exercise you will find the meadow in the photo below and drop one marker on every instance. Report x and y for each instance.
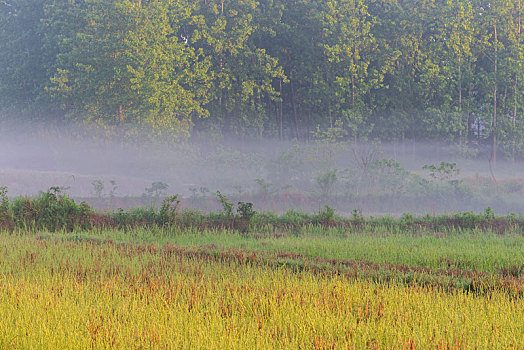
(71, 277)
(223, 289)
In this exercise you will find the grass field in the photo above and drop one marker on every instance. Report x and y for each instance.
(323, 289)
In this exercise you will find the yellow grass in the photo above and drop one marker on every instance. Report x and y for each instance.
(56, 294)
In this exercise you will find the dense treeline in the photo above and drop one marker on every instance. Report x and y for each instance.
(389, 69)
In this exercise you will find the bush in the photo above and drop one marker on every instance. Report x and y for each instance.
(324, 216)
(51, 210)
(245, 210)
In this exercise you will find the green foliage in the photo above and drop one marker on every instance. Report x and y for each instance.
(442, 172)
(325, 215)
(489, 214)
(168, 209)
(4, 200)
(24, 55)
(265, 187)
(295, 217)
(357, 216)
(98, 187)
(227, 206)
(245, 210)
(89, 78)
(331, 71)
(54, 211)
(169, 79)
(390, 176)
(326, 182)
(51, 210)
(6, 215)
(156, 190)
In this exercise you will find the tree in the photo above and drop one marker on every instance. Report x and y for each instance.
(23, 56)
(349, 45)
(458, 38)
(242, 72)
(169, 79)
(91, 81)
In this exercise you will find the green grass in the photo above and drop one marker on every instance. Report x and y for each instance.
(68, 292)
(484, 251)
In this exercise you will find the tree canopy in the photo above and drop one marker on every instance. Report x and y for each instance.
(379, 69)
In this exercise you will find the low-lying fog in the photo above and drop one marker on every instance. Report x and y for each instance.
(274, 175)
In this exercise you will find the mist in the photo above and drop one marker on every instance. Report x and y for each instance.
(374, 179)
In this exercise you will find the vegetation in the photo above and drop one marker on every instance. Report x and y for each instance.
(74, 277)
(359, 69)
(336, 77)
(55, 211)
(71, 291)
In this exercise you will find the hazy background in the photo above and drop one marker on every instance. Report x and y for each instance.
(273, 175)
(224, 87)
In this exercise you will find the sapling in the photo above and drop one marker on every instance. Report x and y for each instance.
(168, 209)
(156, 190)
(98, 187)
(326, 182)
(203, 191)
(112, 192)
(266, 188)
(227, 206)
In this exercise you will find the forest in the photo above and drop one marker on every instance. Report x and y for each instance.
(353, 70)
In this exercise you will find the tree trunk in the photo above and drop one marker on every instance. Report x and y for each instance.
(494, 146)
(221, 68)
(330, 116)
(515, 92)
(281, 112)
(460, 99)
(294, 109)
(515, 87)
(308, 123)
(504, 98)
(469, 123)
(353, 91)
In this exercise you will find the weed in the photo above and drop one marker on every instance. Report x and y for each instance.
(325, 216)
(168, 210)
(489, 214)
(4, 201)
(227, 206)
(357, 216)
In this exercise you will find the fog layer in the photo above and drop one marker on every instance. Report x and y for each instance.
(375, 179)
